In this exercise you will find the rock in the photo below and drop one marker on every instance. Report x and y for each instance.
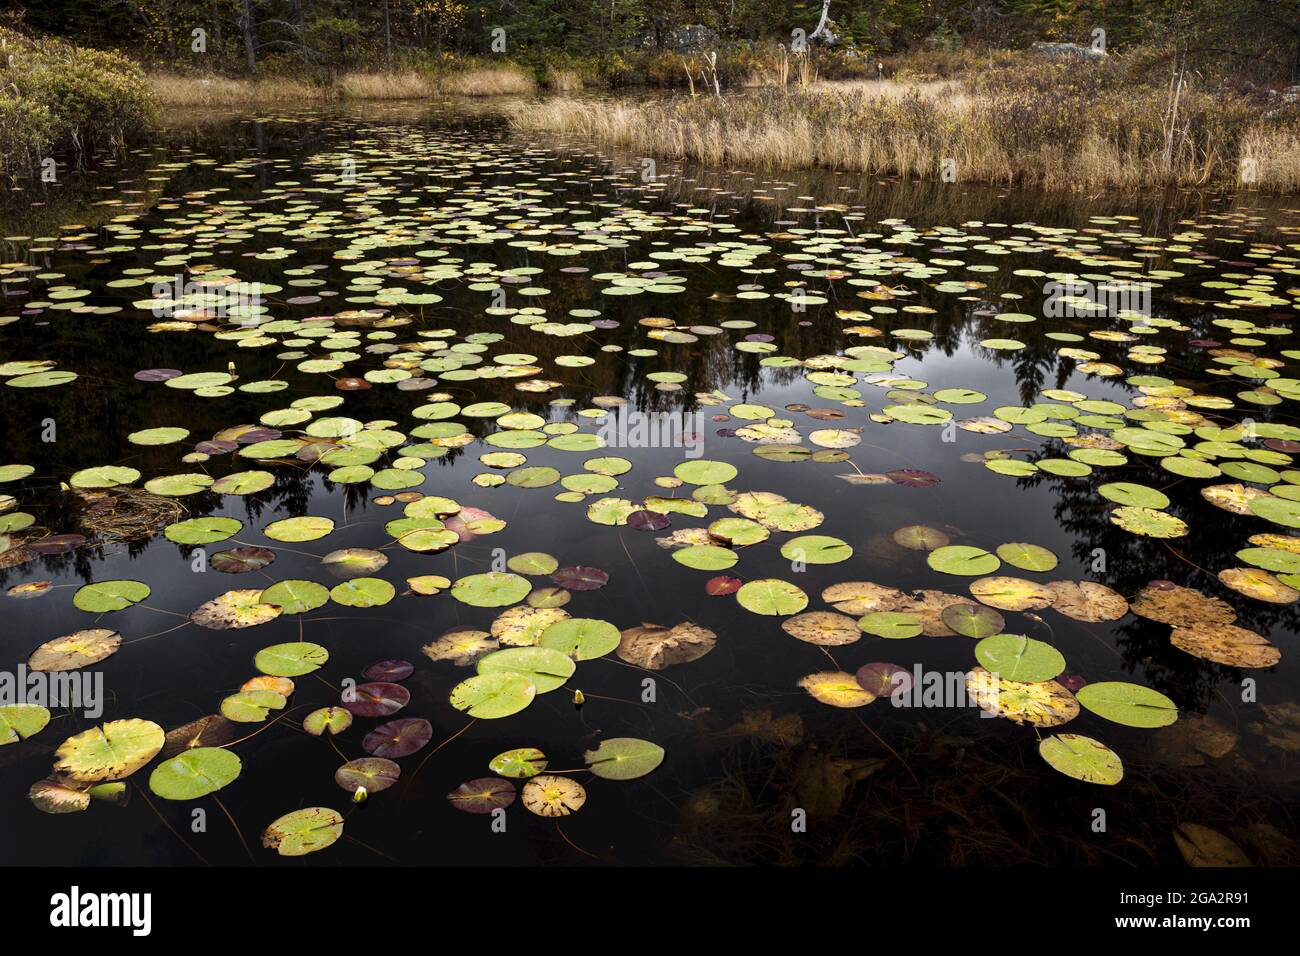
(1068, 51)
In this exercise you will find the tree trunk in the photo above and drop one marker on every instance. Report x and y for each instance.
(250, 37)
(388, 37)
(821, 24)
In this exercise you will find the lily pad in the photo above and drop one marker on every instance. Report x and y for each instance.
(195, 773)
(624, 758)
(1129, 704)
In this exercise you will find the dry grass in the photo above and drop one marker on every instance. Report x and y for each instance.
(386, 86)
(487, 81)
(173, 89)
(564, 81)
(1044, 130)
(184, 90)
(1276, 156)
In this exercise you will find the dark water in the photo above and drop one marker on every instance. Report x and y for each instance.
(745, 745)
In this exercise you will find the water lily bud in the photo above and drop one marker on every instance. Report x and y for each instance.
(578, 699)
(359, 795)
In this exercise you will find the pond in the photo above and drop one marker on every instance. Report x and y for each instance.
(655, 513)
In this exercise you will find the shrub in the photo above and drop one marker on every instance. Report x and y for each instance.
(61, 97)
(26, 133)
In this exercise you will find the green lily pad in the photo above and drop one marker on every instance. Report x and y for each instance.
(704, 472)
(363, 592)
(20, 721)
(291, 660)
(1130, 704)
(548, 669)
(581, 638)
(771, 596)
(624, 758)
(519, 763)
(202, 530)
(1029, 557)
(816, 549)
(1082, 758)
(491, 696)
(116, 749)
(304, 831)
(1018, 658)
(304, 528)
(296, 597)
(194, 773)
(105, 596)
(491, 589)
(963, 559)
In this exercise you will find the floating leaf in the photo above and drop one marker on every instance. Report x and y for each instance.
(251, 706)
(116, 749)
(201, 530)
(654, 647)
(1226, 644)
(242, 560)
(548, 669)
(105, 596)
(1043, 704)
(1028, 557)
(624, 758)
(962, 559)
(972, 620)
(581, 638)
(20, 721)
(235, 609)
(519, 763)
(333, 720)
(296, 597)
(816, 549)
(548, 795)
(491, 696)
(771, 596)
(492, 589)
(837, 689)
(376, 699)
(483, 795)
(303, 831)
(1130, 704)
(305, 528)
(291, 660)
(398, 738)
(194, 773)
(1019, 658)
(1082, 758)
(79, 649)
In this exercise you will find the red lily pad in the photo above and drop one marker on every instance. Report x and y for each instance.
(723, 585)
(647, 521)
(241, 560)
(580, 578)
(912, 477)
(398, 738)
(483, 795)
(377, 699)
(883, 679)
(157, 374)
(57, 544)
(389, 670)
(373, 773)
